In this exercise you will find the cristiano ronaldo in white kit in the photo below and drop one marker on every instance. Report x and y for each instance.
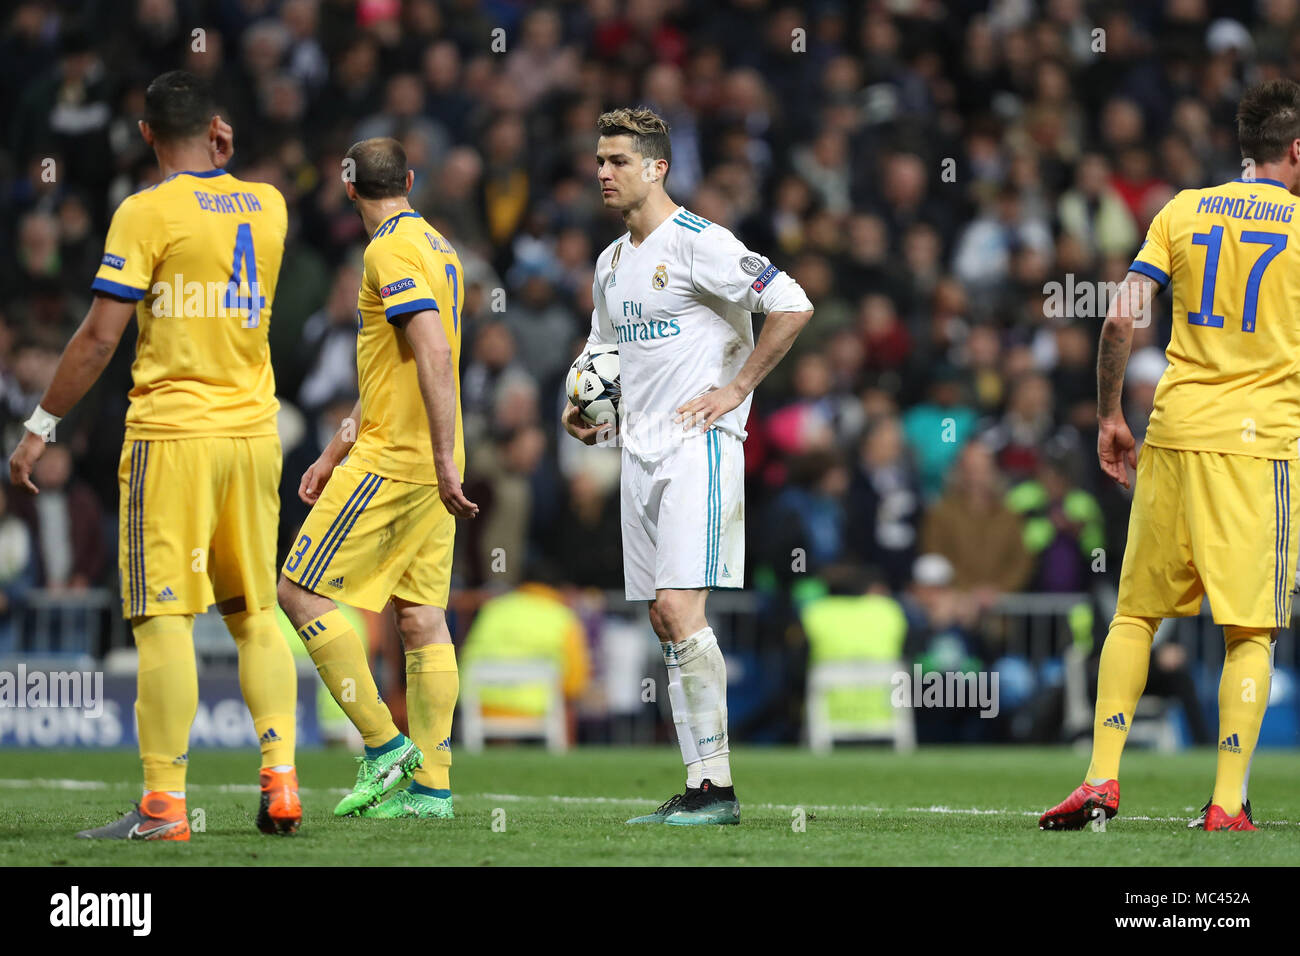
(676, 294)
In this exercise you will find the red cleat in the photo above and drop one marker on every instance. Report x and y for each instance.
(1074, 812)
(280, 810)
(1216, 818)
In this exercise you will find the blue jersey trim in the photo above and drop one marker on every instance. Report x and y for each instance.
(406, 308)
(1150, 271)
(201, 174)
(117, 289)
(1270, 182)
(389, 224)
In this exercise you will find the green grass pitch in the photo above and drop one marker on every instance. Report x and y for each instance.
(968, 806)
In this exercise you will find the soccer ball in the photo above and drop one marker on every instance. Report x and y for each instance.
(592, 384)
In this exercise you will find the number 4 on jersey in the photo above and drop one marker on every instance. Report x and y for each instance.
(245, 261)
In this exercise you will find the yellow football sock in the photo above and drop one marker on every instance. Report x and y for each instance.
(1121, 676)
(167, 697)
(343, 664)
(269, 681)
(432, 683)
(1243, 697)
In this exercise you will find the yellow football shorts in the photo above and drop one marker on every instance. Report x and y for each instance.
(197, 523)
(1205, 523)
(369, 538)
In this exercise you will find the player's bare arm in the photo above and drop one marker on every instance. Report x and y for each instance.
(1115, 444)
(779, 332)
(432, 354)
(83, 361)
(315, 477)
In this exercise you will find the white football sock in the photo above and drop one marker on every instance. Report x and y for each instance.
(685, 740)
(704, 688)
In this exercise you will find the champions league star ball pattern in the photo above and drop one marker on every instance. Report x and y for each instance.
(592, 384)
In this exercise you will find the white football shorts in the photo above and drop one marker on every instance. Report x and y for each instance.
(683, 517)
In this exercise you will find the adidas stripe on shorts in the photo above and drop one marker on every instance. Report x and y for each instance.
(369, 538)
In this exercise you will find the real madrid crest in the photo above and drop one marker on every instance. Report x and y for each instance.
(660, 278)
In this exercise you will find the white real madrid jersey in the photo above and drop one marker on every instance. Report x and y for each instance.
(680, 308)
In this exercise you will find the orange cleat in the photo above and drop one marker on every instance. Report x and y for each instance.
(158, 816)
(1074, 812)
(1216, 818)
(280, 810)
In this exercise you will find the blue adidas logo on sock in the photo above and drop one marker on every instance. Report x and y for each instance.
(1231, 743)
(445, 745)
(270, 736)
(1117, 721)
(166, 595)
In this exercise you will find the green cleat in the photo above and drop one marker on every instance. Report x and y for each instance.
(665, 808)
(708, 805)
(404, 803)
(378, 777)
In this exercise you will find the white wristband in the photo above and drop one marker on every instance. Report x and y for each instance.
(42, 424)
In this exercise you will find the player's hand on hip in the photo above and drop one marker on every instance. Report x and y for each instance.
(314, 480)
(452, 495)
(576, 426)
(704, 410)
(221, 142)
(24, 459)
(1116, 449)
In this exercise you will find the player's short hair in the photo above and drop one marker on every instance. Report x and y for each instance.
(1268, 120)
(379, 168)
(178, 105)
(647, 128)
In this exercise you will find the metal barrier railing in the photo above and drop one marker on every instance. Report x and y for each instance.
(54, 625)
(1033, 626)
(49, 622)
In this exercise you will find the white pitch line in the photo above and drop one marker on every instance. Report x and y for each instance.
(831, 807)
(41, 783)
(44, 783)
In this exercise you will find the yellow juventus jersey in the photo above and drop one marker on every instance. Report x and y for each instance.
(201, 253)
(1232, 253)
(409, 267)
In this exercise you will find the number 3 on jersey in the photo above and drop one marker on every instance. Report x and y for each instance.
(1274, 243)
(243, 277)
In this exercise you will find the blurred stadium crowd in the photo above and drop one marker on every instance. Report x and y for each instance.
(924, 170)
